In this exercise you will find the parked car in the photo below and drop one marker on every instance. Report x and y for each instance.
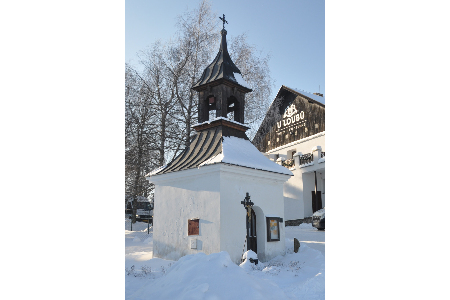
(144, 209)
(318, 219)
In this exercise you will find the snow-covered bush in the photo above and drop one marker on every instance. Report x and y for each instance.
(249, 258)
(288, 163)
(320, 213)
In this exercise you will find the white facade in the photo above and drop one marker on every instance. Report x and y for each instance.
(297, 190)
(213, 194)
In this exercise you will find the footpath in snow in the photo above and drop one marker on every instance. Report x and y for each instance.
(199, 276)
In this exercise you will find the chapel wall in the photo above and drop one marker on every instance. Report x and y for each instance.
(267, 194)
(178, 201)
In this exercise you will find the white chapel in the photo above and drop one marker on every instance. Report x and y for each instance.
(221, 193)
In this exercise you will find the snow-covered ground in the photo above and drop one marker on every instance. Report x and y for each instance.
(293, 276)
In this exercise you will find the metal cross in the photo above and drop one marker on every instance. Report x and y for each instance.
(247, 204)
(223, 20)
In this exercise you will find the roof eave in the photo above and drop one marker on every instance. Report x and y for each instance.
(300, 94)
(221, 80)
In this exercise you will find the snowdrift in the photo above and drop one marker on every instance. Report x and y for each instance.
(214, 276)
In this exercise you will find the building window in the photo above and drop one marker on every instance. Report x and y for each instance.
(273, 228)
(291, 155)
(193, 227)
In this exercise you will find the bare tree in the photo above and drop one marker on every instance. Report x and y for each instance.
(139, 137)
(255, 70)
(196, 44)
(161, 107)
(158, 80)
(197, 37)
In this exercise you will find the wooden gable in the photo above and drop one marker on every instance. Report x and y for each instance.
(291, 117)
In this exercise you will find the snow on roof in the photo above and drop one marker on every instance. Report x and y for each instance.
(310, 95)
(241, 152)
(241, 80)
(156, 170)
(307, 94)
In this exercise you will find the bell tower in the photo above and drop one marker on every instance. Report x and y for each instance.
(221, 87)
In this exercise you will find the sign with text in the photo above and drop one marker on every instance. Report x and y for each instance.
(291, 117)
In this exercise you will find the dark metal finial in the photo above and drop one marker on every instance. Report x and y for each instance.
(223, 20)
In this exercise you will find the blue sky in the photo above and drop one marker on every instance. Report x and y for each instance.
(291, 31)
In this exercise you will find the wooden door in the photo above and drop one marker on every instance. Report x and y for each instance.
(316, 200)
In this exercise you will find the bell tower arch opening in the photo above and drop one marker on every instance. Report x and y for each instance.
(211, 103)
(233, 109)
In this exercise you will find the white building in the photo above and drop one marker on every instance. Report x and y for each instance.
(293, 134)
(198, 196)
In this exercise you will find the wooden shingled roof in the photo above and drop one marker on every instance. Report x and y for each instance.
(222, 68)
(206, 144)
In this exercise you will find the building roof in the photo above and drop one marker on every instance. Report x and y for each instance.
(240, 152)
(316, 98)
(222, 67)
(220, 143)
(287, 95)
